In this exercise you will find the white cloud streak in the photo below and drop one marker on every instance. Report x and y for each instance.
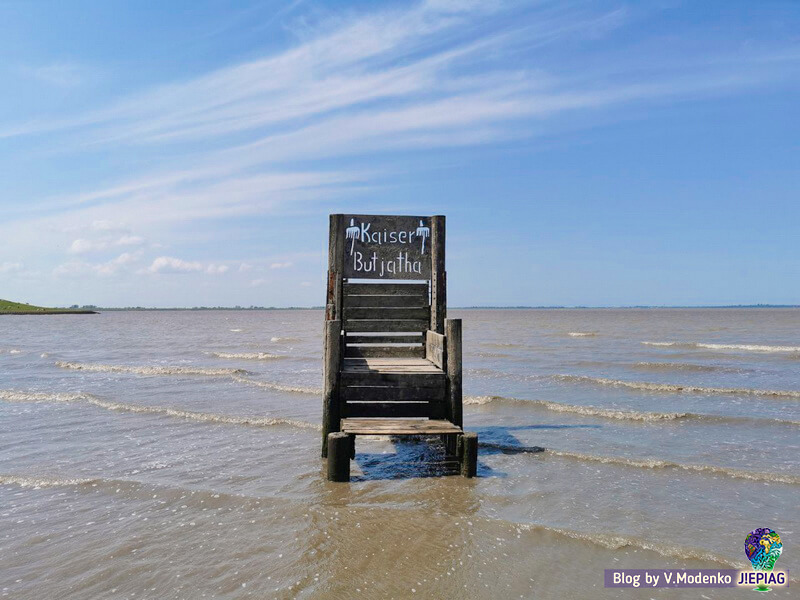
(172, 265)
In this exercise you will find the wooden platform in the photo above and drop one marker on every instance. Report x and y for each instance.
(398, 427)
(389, 365)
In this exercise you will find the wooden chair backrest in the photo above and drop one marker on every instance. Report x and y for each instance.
(385, 319)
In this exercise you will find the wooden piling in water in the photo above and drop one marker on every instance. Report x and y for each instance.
(454, 409)
(469, 454)
(340, 447)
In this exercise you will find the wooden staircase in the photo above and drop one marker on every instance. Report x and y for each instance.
(392, 360)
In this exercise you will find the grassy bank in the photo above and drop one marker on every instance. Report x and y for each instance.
(18, 308)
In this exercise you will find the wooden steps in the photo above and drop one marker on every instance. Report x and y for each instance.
(399, 427)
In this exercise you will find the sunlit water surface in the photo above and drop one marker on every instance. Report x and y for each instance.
(176, 455)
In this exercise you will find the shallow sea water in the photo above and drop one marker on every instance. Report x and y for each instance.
(176, 455)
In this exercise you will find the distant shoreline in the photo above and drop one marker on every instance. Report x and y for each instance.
(95, 310)
(54, 311)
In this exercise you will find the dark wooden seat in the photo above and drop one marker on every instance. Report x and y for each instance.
(392, 360)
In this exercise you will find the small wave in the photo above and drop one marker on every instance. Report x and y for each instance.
(149, 370)
(581, 334)
(283, 339)
(665, 464)
(744, 347)
(671, 366)
(295, 389)
(592, 411)
(626, 415)
(39, 482)
(675, 388)
(236, 330)
(18, 396)
(246, 355)
(618, 542)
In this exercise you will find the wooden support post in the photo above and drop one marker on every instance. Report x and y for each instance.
(438, 275)
(468, 449)
(454, 400)
(333, 303)
(331, 414)
(339, 445)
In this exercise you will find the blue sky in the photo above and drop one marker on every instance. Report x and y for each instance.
(586, 153)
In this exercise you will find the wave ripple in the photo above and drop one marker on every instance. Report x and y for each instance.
(677, 388)
(18, 396)
(148, 370)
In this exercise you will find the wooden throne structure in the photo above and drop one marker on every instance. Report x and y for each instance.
(392, 358)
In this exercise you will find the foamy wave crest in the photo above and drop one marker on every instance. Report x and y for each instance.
(675, 388)
(283, 339)
(591, 411)
(659, 366)
(246, 355)
(294, 389)
(18, 396)
(743, 347)
(618, 542)
(149, 370)
(626, 415)
(665, 464)
(38, 482)
(581, 334)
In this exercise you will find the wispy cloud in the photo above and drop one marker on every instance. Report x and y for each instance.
(83, 246)
(59, 74)
(170, 264)
(78, 268)
(10, 267)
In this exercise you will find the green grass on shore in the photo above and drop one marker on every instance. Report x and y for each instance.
(6, 306)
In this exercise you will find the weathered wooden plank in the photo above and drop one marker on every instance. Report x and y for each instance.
(385, 326)
(387, 409)
(386, 289)
(391, 364)
(454, 375)
(415, 338)
(396, 369)
(331, 375)
(378, 351)
(387, 361)
(407, 380)
(389, 300)
(398, 427)
(435, 348)
(333, 304)
(438, 275)
(390, 394)
(421, 313)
